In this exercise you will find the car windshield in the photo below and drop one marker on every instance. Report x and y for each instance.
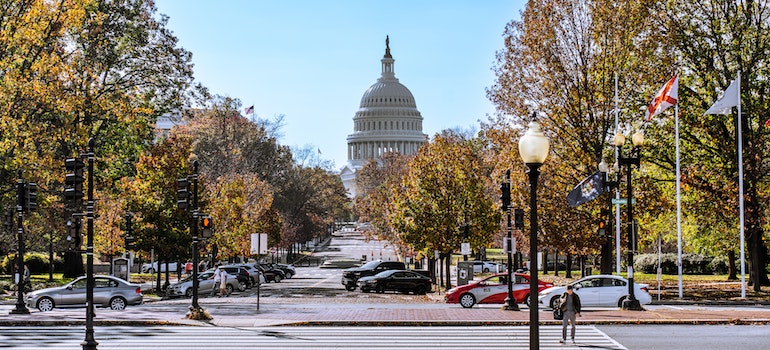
(384, 273)
(370, 264)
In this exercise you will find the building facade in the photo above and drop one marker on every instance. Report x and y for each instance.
(387, 120)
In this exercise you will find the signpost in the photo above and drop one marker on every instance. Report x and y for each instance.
(623, 201)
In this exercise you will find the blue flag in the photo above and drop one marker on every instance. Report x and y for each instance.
(586, 190)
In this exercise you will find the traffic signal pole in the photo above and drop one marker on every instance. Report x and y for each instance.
(20, 308)
(90, 343)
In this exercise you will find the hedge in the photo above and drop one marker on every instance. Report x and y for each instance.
(692, 264)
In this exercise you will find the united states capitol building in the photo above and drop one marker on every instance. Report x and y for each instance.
(387, 120)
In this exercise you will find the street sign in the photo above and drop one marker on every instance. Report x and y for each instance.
(623, 201)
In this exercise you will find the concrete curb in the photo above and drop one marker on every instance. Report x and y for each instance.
(370, 323)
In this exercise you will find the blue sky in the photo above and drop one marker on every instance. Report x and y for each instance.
(312, 60)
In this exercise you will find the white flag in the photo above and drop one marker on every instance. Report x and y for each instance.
(730, 98)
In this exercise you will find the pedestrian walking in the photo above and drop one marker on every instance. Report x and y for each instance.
(569, 304)
(188, 267)
(223, 283)
(217, 281)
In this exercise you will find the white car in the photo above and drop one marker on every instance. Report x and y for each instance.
(487, 266)
(152, 268)
(598, 290)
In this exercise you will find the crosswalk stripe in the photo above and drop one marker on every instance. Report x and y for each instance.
(317, 338)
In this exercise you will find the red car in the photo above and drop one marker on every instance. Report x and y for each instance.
(492, 290)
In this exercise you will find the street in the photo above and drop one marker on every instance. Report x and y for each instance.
(313, 310)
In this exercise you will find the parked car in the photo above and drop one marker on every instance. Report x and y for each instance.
(350, 276)
(492, 290)
(243, 276)
(109, 291)
(271, 274)
(205, 285)
(396, 280)
(254, 273)
(288, 270)
(598, 290)
(487, 266)
(153, 267)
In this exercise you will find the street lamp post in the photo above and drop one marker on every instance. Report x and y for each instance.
(510, 301)
(631, 303)
(533, 148)
(89, 343)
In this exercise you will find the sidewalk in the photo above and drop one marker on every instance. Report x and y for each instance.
(228, 314)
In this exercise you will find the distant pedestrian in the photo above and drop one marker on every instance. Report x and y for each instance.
(188, 267)
(217, 281)
(569, 303)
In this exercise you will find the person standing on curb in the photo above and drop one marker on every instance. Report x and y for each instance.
(569, 303)
(217, 281)
(223, 283)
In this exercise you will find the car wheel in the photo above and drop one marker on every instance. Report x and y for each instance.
(621, 300)
(45, 304)
(241, 286)
(118, 303)
(553, 302)
(419, 290)
(467, 300)
(229, 289)
(526, 300)
(289, 275)
(277, 279)
(188, 293)
(380, 289)
(486, 269)
(350, 287)
(151, 271)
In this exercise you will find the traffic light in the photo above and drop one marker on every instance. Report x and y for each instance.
(602, 228)
(73, 183)
(30, 196)
(129, 237)
(8, 222)
(505, 196)
(206, 224)
(183, 194)
(518, 218)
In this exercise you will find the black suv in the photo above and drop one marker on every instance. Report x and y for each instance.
(271, 274)
(351, 276)
(244, 281)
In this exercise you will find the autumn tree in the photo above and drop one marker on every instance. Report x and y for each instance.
(377, 183)
(447, 186)
(560, 62)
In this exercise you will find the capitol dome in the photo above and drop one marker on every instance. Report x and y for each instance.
(387, 119)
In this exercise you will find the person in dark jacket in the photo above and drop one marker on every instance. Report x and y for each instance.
(569, 303)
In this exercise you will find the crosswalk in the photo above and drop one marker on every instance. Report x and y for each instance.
(290, 337)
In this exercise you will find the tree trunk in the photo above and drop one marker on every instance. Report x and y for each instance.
(448, 260)
(731, 273)
(556, 263)
(545, 261)
(568, 273)
(757, 259)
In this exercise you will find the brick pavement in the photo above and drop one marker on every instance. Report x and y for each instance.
(324, 314)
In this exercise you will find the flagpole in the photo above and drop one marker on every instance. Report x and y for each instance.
(617, 193)
(740, 186)
(678, 203)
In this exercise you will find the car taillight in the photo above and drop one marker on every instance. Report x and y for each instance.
(246, 273)
(644, 289)
(138, 290)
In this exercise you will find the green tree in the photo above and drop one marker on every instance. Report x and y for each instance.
(715, 41)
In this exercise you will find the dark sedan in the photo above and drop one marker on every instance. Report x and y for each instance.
(396, 280)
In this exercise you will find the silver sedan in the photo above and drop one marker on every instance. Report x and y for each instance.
(109, 291)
